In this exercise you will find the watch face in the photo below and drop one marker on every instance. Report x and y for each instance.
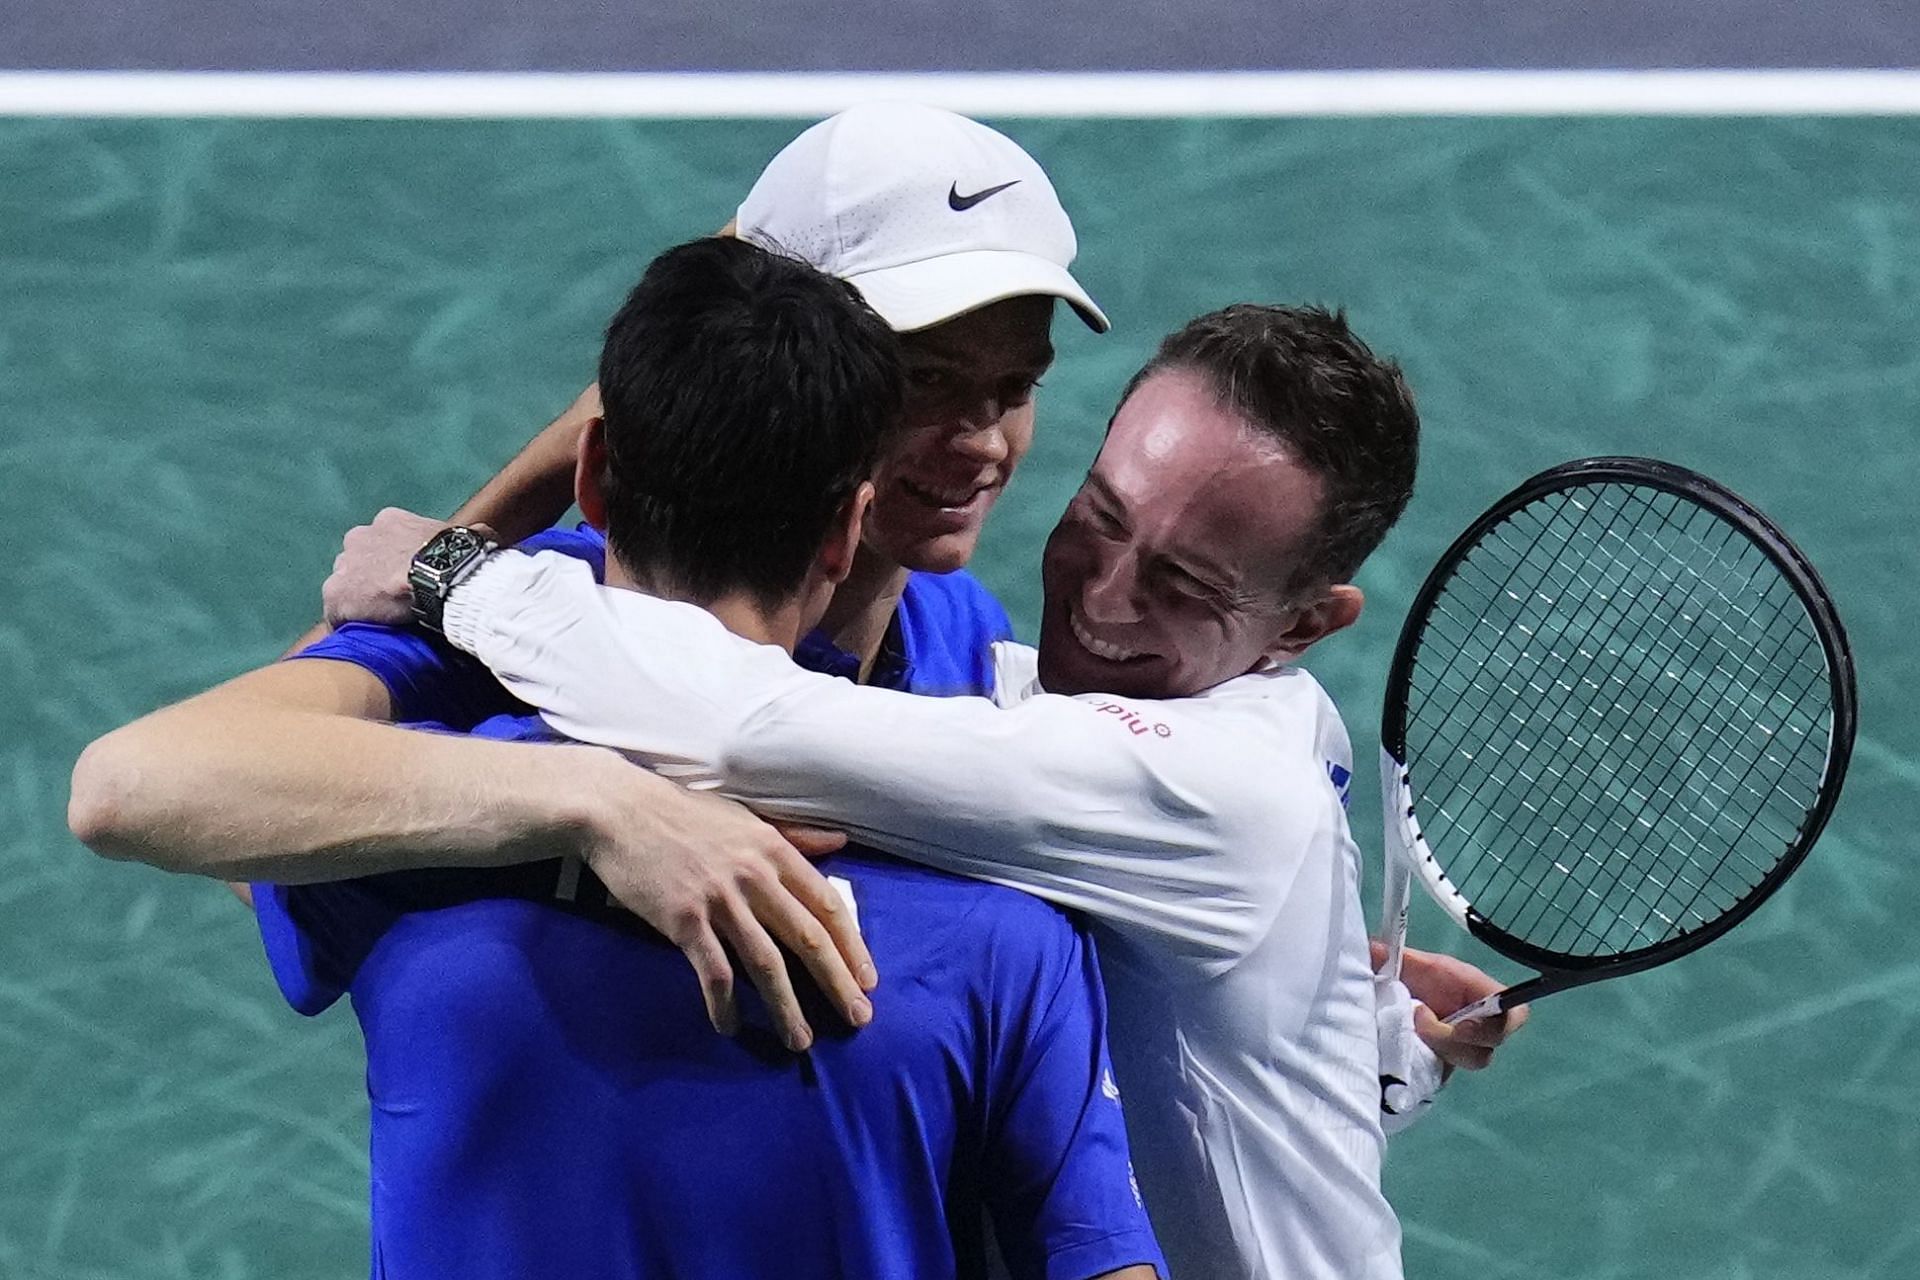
(447, 550)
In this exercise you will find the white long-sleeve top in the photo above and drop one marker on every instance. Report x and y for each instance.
(1204, 836)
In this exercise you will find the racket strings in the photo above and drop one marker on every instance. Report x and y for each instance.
(1654, 694)
(1553, 797)
(1627, 590)
(1663, 720)
(1570, 828)
(1474, 730)
(1634, 786)
(1777, 783)
(1710, 876)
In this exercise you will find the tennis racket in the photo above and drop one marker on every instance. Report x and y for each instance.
(1618, 717)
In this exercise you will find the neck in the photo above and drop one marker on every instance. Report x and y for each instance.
(739, 613)
(863, 607)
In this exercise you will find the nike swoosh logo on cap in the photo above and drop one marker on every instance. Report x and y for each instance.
(960, 204)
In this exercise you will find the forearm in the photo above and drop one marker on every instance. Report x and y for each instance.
(231, 786)
(535, 489)
(669, 685)
(1054, 795)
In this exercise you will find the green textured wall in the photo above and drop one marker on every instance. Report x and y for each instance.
(221, 343)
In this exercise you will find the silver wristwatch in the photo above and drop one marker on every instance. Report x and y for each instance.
(447, 560)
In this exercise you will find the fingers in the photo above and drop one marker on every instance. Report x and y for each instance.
(796, 927)
(1491, 1033)
(812, 842)
(823, 902)
(767, 968)
(825, 921)
(1445, 983)
(1447, 1043)
(1468, 1045)
(369, 579)
(702, 948)
(730, 892)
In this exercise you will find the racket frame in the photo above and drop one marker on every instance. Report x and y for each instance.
(1410, 858)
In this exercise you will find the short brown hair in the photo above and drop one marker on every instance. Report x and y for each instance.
(1301, 376)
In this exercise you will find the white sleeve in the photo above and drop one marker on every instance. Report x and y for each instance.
(1181, 823)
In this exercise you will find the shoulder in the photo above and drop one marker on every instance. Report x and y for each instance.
(1278, 758)
(948, 624)
(1016, 672)
(582, 542)
(951, 915)
(957, 599)
(1290, 708)
(426, 678)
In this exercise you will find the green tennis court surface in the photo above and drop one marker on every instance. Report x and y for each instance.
(222, 343)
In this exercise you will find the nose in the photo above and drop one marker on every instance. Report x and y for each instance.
(979, 436)
(1111, 595)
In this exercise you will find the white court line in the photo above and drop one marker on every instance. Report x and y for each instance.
(1118, 94)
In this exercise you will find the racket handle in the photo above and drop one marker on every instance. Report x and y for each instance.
(1397, 886)
(1393, 917)
(1486, 1007)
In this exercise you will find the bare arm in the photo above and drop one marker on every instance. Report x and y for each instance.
(285, 774)
(527, 495)
(536, 488)
(282, 774)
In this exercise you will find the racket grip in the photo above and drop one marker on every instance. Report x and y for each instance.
(1393, 918)
(1485, 1007)
(1396, 887)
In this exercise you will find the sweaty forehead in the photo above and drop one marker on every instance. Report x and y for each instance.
(1194, 479)
(1174, 432)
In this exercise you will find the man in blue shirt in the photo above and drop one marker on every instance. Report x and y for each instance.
(547, 1097)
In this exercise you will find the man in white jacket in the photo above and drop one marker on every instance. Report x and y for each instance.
(1158, 763)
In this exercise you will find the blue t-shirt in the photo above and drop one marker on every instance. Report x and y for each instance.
(548, 1099)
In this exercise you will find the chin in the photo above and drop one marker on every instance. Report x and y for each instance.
(941, 553)
(1078, 674)
(1068, 669)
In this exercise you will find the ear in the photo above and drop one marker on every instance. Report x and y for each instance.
(590, 473)
(1336, 610)
(843, 537)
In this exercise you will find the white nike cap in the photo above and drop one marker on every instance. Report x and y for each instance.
(929, 214)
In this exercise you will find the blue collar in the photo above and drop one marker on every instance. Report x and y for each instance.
(892, 669)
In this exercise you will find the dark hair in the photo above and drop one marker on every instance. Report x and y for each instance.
(746, 397)
(1301, 376)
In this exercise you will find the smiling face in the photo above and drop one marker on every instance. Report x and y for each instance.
(969, 421)
(1170, 570)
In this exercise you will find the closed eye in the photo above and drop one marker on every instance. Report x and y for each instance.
(1104, 522)
(1189, 585)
